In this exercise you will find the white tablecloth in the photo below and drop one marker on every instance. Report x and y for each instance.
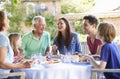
(58, 71)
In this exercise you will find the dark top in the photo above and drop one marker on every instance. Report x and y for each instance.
(93, 46)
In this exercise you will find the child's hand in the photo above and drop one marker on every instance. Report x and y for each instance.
(18, 59)
(54, 49)
(87, 58)
(28, 64)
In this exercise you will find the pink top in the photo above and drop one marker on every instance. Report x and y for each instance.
(93, 46)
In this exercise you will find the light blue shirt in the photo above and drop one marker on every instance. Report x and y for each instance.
(4, 41)
(75, 45)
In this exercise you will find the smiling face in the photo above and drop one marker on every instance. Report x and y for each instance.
(87, 27)
(61, 25)
(89, 24)
(39, 26)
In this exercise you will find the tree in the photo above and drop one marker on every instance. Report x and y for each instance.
(76, 6)
(51, 25)
(15, 14)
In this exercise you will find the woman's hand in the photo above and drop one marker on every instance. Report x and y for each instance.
(54, 49)
(28, 64)
(87, 58)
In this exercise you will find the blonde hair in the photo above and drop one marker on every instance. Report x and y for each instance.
(107, 30)
(13, 37)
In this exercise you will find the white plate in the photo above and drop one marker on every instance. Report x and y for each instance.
(51, 65)
(81, 63)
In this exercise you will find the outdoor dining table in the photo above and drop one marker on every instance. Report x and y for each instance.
(58, 71)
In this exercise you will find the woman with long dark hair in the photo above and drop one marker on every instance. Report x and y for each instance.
(66, 41)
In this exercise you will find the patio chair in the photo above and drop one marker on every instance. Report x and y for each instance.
(21, 74)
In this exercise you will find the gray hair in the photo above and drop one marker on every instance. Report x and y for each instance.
(36, 18)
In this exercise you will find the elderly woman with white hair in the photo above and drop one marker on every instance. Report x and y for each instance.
(38, 40)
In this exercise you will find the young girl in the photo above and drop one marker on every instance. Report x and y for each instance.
(110, 56)
(15, 42)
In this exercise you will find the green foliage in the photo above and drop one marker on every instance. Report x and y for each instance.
(15, 2)
(14, 23)
(78, 29)
(78, 26)
(51, 25)
(76, 6)
(15, 17)
(28, 19)
(68, 8)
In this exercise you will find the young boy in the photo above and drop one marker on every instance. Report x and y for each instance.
(110, 56)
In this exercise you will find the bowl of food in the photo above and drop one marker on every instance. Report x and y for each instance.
(51, 63)
(79, 60)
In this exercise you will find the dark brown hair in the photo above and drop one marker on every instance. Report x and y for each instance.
(68, 35)
(92, 19)
(2, 17)
(107, 30)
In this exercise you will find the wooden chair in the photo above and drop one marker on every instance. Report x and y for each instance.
(94, 71)
(21, 74)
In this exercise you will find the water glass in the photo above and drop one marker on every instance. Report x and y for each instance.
(67, 59)
(33, 57)
(39, 58)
